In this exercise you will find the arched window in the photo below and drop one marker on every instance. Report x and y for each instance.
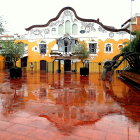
(108, 48)
(74, 29)
(42, 47)
(60, 29)
(67, 27)
(120, 46)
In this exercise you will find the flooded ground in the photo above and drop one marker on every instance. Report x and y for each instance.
(67, 107)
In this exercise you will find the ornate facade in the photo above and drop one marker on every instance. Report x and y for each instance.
(51, 46)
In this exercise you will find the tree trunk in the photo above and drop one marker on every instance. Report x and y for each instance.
(15, 64)
(83, 64)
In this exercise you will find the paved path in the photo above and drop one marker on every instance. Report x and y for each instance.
(67, 107)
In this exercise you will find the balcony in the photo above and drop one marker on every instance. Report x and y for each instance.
(55, 53)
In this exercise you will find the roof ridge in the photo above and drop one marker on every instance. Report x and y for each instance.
(79, 18)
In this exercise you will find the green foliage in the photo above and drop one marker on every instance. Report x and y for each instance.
(134, 45)
(81, 51)
(12, 51)
(126, 49)
(1, 26)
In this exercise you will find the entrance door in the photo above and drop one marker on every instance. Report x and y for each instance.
(24, 62)
(67, 65)
(43, 65)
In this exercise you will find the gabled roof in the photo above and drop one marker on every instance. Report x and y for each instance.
(108, 28)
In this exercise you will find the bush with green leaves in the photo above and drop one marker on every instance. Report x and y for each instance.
(1, 25)
(12, 51)
(81, 51)
(134, 45)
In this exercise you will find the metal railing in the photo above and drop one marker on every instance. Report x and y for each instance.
(53, 66)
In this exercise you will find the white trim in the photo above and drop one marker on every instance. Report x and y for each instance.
(93, 42)
(111, 48)
(39, 46)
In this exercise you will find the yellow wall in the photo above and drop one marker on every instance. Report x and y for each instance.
(2, 65)
(108, 56)
(35, 57)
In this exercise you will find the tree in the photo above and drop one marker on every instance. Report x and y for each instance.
(134, 45)
(81, 51)
(12, 51)
(1, 26)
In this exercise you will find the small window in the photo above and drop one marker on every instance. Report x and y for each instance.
(87, 29)
(42, 47)
(53, 31)
(65, 43)
(74, 29)
(108, 48)
(67, 27)
(120, 46)
(60, 29)
(93, 48)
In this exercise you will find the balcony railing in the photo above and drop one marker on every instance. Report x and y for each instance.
(55, 52)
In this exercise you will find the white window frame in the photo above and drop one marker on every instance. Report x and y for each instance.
(106, 46)
(96, 48)
(44, 43)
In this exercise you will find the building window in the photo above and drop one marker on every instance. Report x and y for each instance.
(53, 31)
(66, 43)
(60, 29)
(60, 45)
(120, 46)
(92, 48)
(108, 48)
(87, 29)
(74, 29)
(67, 27)
(67, 46)
(42, 47)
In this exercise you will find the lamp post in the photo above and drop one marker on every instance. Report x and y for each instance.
(131, 25)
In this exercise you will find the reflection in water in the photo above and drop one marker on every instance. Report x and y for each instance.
(12, 96)
(69, 100)
(129, 101)
(77, 102)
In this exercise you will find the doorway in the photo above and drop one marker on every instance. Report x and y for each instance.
(43, 65)
(24, 62)
(67, 65)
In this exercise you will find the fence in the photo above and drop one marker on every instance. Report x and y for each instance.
(53, 66)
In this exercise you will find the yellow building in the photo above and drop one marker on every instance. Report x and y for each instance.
(50, 47)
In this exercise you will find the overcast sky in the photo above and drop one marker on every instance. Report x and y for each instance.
(20, 14)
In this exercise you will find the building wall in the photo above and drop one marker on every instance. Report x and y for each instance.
(36, 57)
(2, 64)
(136, 24)
(101, 56)
(89, 31)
